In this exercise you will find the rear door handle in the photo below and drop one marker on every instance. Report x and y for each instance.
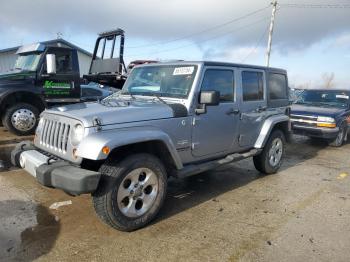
(232, 112)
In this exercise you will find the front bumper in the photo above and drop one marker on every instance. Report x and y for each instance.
(326, 133)
(54, 173)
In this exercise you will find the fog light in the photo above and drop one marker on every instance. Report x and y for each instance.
(105, 150)
(74, 153)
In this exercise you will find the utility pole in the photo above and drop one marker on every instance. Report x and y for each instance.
(272, 24)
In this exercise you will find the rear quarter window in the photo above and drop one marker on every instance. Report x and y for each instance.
(278, 86)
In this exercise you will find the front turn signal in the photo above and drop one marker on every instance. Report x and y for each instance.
(329, 125)
(106, 150)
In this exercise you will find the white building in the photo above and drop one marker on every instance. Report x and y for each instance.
(8, 56)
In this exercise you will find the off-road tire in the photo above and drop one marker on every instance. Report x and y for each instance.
(113, 174)
(6, 119)
(261, 161)
(341, 137)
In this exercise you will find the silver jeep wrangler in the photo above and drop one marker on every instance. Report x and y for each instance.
(170, 119)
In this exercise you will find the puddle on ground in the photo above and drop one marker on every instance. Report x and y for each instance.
(27, 230)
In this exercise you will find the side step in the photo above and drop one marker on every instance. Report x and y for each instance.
(191, 170)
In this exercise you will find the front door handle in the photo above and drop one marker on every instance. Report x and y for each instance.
(232, 112)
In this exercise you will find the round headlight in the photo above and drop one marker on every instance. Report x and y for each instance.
(77, 134)
(325, 119)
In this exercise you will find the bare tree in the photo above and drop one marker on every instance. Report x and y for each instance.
(328, 79)
(306, 85)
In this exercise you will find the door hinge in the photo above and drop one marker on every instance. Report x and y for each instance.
(195, 120)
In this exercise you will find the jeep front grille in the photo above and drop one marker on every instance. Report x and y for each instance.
(54, 135)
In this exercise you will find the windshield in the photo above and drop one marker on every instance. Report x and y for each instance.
(161, 80)
(324, 98)
(28, 62)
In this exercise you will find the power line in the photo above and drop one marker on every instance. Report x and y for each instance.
(203, 31)
(316, 6)
(276, 8)
(258, 43)
(205, 40)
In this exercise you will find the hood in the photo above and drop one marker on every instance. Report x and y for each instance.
(315, 110)
(115, 112)
(15, 76)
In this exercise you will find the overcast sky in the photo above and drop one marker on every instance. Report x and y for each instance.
(307, 41)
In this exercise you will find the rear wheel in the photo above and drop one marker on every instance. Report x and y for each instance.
(270, 159)
(21, 119)
(130, 192)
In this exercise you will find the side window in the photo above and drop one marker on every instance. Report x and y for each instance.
(252, 85)
(64, 62)
(277, 86)
(219, 80)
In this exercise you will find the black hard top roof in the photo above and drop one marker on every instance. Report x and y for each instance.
(214, 63)
(224, 64)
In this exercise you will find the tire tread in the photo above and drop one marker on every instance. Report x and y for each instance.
(6, 119)
(261, 161)
(115, 169)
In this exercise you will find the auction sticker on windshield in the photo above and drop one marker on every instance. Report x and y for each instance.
(188, 70)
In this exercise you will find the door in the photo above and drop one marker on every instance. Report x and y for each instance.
(216, 131)
(253, 106)
(64, 86)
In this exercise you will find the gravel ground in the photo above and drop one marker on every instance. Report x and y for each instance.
(229, 214)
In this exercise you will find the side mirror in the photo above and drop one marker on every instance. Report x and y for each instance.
(51, 64)
(207, 98)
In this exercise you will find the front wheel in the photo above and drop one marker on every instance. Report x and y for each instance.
(270, 159)
(131, 192)
(21, 119)
(341, 137)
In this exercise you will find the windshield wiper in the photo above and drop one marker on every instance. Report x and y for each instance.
(128, 94)
(320, 103)
(332, 104)
(159, 98)
(24, 69)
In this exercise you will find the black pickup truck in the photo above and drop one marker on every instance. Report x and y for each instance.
(48, 75)
(322, 114)
(29, 88)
